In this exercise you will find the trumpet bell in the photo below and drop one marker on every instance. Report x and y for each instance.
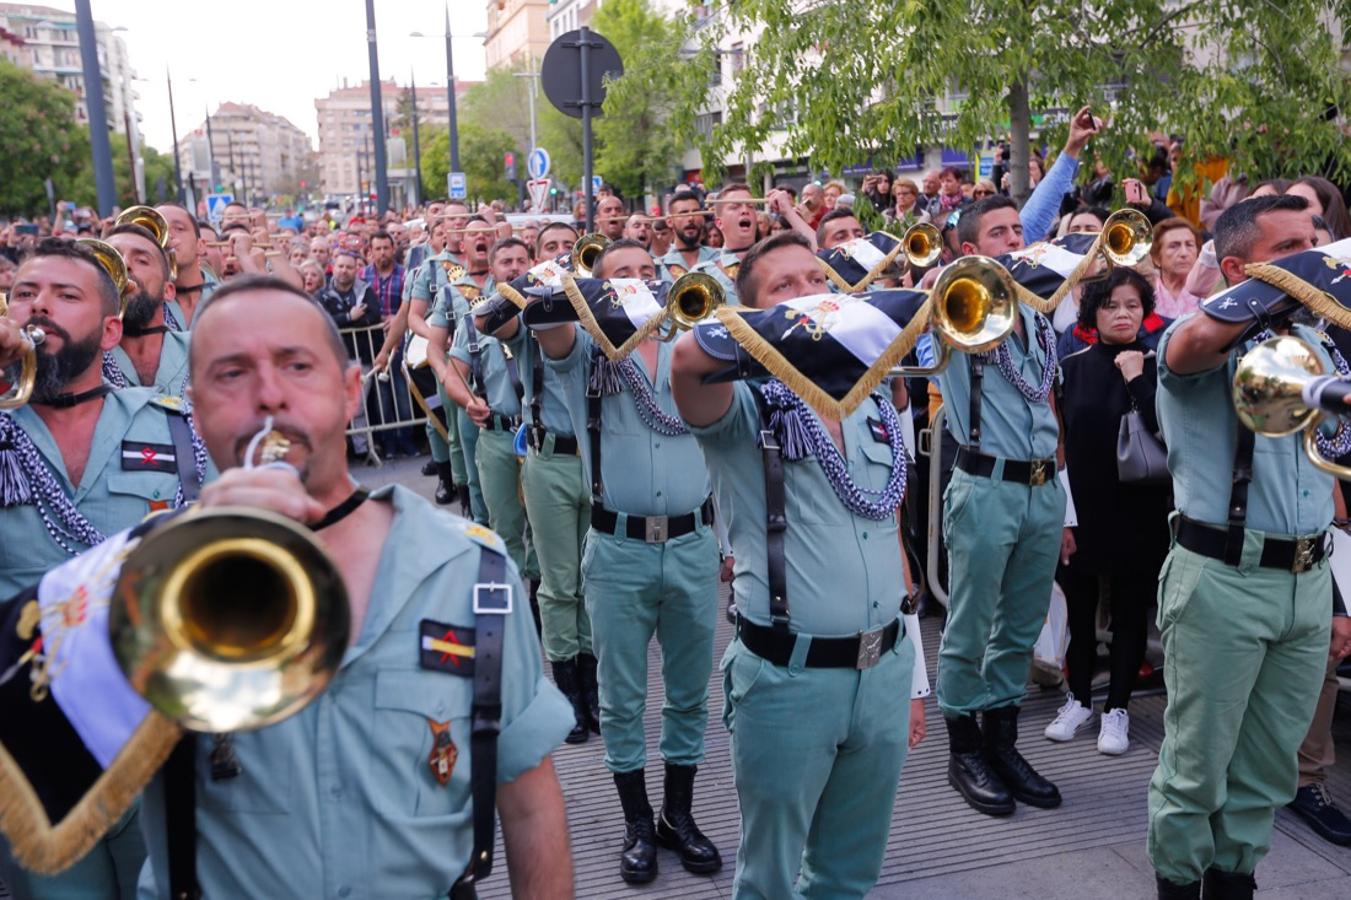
(974, 304)
(228, 619)
(1126, 237)
(22, 381)
(923, 245)
(585, 253)
(692, 298)
(1268, 383)
(150, 219)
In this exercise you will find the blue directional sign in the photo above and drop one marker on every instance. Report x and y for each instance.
(537, 164)
(457, 188)
(215, 205)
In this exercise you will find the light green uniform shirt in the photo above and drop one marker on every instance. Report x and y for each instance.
(431, 277)
(843, 572)
(339, 801)
(171, 377)
(644, 473)
(496, 374)
(555, 399)
(723, 267)
(1287, 496)
(451, 301)
(674, 258)
(120, 486)
(1011, 426)
(209, 285)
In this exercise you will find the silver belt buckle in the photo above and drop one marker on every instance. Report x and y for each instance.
(869, 648)
(1303, 555)
(658, 529)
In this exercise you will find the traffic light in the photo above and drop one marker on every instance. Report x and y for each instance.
(509, 165)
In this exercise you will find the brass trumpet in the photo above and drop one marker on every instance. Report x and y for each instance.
(692, 298)
(149, 218)
(923, 245)
(586, 251)
(21, 389)
(973, 307)
(1126, 237)
(229, 619)
(1271, 395)
(111, 261)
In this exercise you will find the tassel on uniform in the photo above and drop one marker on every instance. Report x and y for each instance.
(605, 378)
(14, 488)
(786, 423)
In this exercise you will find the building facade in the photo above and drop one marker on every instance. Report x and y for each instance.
(257, 154)
(518, 31)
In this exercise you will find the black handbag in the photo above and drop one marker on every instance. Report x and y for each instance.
(1141, 457)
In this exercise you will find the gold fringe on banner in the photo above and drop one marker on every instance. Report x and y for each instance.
(592, 326)
(826, 406)
(1316, 299)
(513, 295)
(1048, 305)
(48, 849)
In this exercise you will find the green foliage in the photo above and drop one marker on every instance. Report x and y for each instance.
(502, 102)
(37, 118)
(1247, 79)
(653, 101)
(481, 152)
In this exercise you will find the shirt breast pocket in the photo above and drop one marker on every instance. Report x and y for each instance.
(141, 492)
(877, 471)
(418, 712)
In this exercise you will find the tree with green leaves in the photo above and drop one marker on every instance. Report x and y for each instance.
(1256, 82)
(481, 154)
(501, 101)
(654, 102)
(42, 140)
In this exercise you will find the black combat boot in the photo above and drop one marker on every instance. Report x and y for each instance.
(466, 508)
(586, 680)
(1169, 890)
(970, 774)
(1000, 730)
(565, 677)
(1219, 885)
(429, 468)
(445, 483)
(676, 829)
(638, 863)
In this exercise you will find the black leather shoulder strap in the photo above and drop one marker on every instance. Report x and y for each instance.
(776, 520)
(492, 603)
(180, 818)
(977, 381)
(1238, 495)
(180, 432)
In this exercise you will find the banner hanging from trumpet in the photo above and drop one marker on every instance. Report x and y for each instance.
(1047, 271)
(854, 265)
(1319, 279)
(77, 744)
(618, 313)
(832, 350)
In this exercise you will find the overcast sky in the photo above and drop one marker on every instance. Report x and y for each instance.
(278, 54)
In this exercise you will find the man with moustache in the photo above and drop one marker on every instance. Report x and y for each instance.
(150, 354)
(195, 280)
(610, 218)
(639, 228)
(687, 217)
(90, 461)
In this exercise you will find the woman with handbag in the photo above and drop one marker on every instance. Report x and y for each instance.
(1122, 494)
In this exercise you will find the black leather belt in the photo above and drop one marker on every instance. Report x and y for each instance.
(502, 423)
(1034, 472)
(653, 529)
(1298, 555)
(859, 651)
(564, 444)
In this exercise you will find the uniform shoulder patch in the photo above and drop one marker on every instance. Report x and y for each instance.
(443, 647)
(170, 402)
(470, 292)
(482, 535)
(879, 430)
(454, 271)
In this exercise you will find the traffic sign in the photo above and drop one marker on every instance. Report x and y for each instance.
(215, 205)
(596, 183)
(539, 193)
(561, 73)
(456, 186)
(537, 164)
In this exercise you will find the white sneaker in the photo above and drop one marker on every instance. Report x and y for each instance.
(1071, 717)
(1114, 735)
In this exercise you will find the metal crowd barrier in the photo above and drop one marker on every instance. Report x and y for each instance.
(386, 403)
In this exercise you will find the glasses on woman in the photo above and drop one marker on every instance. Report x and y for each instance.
(979, 193)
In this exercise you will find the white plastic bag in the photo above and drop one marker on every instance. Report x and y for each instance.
(1054, 640)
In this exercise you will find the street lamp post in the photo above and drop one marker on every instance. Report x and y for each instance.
(173, 126)
(417, 153)
(450, 89)
(105, 187)
(377, 114)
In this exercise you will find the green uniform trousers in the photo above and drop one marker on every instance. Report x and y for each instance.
(468, 434)
(1245, 649)
(559, 506)
(816, 756)
(1003, 542)
(440, 450)
(108, 872)
(634, 590)
(499, 473)
(453, 447)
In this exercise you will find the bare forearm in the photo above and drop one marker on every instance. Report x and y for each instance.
(535, 832)
(436, 351)
(456, 383)
(699, 403)
(417, 321)
(558, 342)
(396, 331)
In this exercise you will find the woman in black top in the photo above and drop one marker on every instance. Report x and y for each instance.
(1122, 535)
